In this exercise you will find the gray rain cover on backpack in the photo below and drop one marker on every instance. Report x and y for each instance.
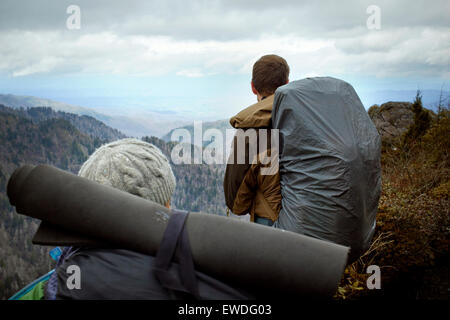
(329, 162)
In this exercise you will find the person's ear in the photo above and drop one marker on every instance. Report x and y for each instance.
(254, 89)
(287, 81)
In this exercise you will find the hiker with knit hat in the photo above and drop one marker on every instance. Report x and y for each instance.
(130, 165)
(139, 168)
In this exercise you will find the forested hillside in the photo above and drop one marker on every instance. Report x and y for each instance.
(34, 137)
(199, 186)
(83, 123)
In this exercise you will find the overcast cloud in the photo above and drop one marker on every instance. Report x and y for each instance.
(200, 38)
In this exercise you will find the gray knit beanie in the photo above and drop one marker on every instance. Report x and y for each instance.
(133, 166)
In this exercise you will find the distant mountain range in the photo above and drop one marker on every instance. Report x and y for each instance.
(221, 125)
(161, 124)
(86, 124)
(148, 124)
(218, 124)
(430, 98)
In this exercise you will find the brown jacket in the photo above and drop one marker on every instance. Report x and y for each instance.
(246, 189)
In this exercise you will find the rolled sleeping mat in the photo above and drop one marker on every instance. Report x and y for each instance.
(252, 255)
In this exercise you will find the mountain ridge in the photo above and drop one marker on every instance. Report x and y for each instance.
(85, 123)
(149, 124)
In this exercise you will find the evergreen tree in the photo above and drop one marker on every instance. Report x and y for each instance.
(422, 121)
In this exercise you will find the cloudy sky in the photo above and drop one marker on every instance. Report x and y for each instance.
(195, 57)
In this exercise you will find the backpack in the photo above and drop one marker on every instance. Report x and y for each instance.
(329, 162)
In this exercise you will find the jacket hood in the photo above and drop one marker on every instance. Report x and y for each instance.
(258, 115)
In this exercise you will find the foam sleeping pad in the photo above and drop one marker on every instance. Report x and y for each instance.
(249, 254)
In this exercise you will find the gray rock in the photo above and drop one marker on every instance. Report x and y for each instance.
(392, 119)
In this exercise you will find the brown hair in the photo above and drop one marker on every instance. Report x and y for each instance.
(269, 73)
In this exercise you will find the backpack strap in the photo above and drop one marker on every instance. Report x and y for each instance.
(34, 290)
(175, 243)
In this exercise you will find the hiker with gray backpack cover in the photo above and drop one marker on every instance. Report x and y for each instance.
(329, 180)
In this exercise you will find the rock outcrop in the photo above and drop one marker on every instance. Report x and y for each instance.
(391, 119)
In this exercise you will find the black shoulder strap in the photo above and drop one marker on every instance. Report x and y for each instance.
(175, 241)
